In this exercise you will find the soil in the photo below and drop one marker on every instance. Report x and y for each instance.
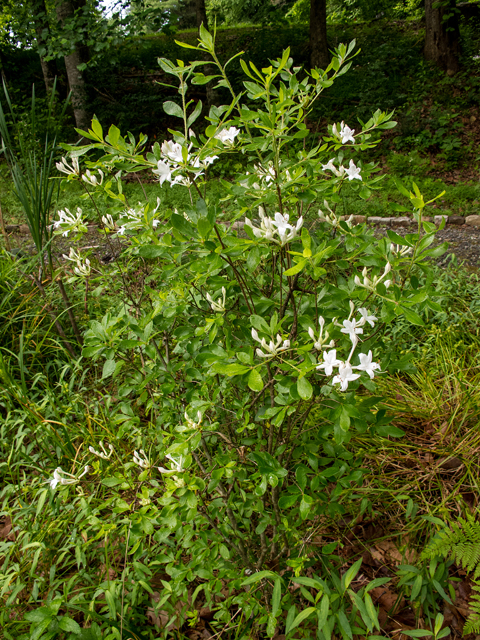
(464, 242)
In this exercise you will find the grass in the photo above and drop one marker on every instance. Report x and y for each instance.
(459, 199)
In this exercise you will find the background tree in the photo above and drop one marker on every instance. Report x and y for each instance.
(319, 56)
(442, 34)
(68, 12)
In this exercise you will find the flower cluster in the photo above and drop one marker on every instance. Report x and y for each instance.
(345, 134)
(135, 218)
(371, 284)
(218, 306)
(177, 465)
(82, 268)
(227, 136)
(272, 348)
(102, 454)
(353, 328)
(279, 225)
(177, 158)
(322, 339)
(59, 477)
(141, 460)
(69, 221)
(92, 179)
(64, 167)
(352, 172)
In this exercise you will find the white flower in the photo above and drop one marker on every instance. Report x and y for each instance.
(91, 179)
(163, 171)
(108, 222)
(329, 361)
(286, 231)
(73, 256)
(64, 167)
(172, 151)
(227, 136)
(345, 375)
(208, 160)
(352, 328)
(320, 342)
(272, 348)
(366, 364)
(353, 172)
(366, 318)
(331, 167)
(69, 221)
(121, 231)
(345, 134)
(102, 454)
(83, 269)
(218, 306)
(141, 459)
(191, 423)
(177, 465)
(398, 250)
(371, 284)
(155, 223)
(58, 477)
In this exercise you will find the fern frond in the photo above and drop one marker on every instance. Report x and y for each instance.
(472, 625)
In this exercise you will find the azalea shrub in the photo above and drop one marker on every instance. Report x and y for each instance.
(242, 355)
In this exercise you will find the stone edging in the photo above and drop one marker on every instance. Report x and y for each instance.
(400, 221)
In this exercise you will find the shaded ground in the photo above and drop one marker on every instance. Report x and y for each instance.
(463, 241)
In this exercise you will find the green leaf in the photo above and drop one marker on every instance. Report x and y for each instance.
(276, 597)
(97, 128)
(68, 624)
(41, 501)
(417, 633)
(151, 251)
(256, 577)
(351, 573)
(305, 506)
(111, 482)
(173, 109)
(108, 368)
(303, 615)
(296, 268)
(287, 500)
(230, 369)
(344, 624)
(255, 381)
(304, 388)
(412, 317)
(387, 430)
(322, 612)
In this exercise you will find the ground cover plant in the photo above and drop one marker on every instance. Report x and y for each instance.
(210, 453)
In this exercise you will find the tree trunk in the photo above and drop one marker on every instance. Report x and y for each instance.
(319, 55)
(42, 29)
(76, 81)
(442, 36)
(201, 17)
(201, 13)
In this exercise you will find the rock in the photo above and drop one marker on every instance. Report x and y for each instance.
(359, 219)
(427, 219)
(10, 228)
(238, 225)
(24, 228)
(456, 220)
(439, 219)
(472, 221)
(377, 220)
(401, 221)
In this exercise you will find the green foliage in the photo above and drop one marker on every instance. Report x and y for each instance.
(461, 541)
